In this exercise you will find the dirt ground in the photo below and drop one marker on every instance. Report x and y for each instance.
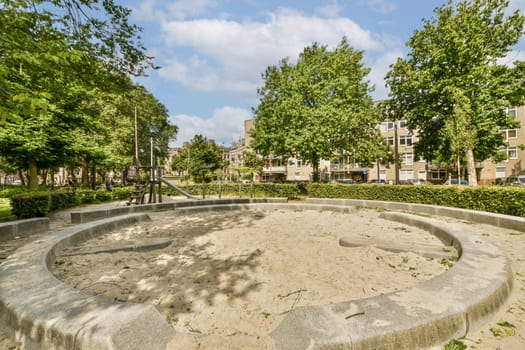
(228, 278)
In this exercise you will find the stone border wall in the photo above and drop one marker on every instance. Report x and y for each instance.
(39, 311)
(25, 227)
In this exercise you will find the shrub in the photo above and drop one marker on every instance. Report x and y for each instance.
(34, 204)
(290, 191)
(122, 193)
(102, 196)
(10, 191)
(503, 200)
(30, 205)
(62, 199)
(86, 196)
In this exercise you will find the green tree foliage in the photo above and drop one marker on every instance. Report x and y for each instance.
(253, 162)
(452, 88)
(116, 137)
(58, 60)
(201, 157)
(317, 107)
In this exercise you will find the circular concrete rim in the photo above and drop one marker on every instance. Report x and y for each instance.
(89, 322)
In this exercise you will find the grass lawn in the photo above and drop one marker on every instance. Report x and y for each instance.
(5, 210)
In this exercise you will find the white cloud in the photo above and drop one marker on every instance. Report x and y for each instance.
(331, 9)
(146, 11)
(379, 69)
(511, 57)
(231, 55)
(224, 126)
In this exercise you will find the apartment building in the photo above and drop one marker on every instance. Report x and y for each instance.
(488, 170)
(411, 168)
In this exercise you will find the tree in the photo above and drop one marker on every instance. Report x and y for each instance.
(317, 107)
(117, 129)
(201, 157)
(52, 68)
(253, 162)
(452, 89)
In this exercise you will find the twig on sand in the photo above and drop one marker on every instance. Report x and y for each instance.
(354, 314)
(291, 293)
(299, 293)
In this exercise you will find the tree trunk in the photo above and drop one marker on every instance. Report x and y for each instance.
(22, 177)
(471, 168)
(32, 174)
(124, 176)
(44, 177)
(315, 168)
(85, 175)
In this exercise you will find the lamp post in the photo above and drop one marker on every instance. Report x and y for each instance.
(396, 154)
(188, 166)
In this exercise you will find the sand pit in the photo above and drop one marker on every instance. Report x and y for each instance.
(229, 277)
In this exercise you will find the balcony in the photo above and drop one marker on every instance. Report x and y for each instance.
(337, 167)
(280, 169)
(353, 167)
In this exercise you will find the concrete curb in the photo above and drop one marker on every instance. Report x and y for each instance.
(139, 245)
(431, 313)
(91, 215)
(41, 312)
(25, 227)
(427, 251)
(266, 205)
(507, 221)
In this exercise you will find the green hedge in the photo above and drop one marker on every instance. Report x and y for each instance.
(503, 200)
(290, 191)
(62, 199)
(30, 205)
(36, 204)
(10, 191)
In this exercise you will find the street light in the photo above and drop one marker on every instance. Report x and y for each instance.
(396, 154)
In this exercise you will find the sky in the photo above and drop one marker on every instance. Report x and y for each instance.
(212, 53)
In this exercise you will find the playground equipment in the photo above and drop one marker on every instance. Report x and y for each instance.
(177, 188)
(153, 186)
(147, 186)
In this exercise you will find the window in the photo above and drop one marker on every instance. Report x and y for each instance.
(511, 111)
(387, 125)
(439, 174)
(406, 174)
(339, 176)
(501, 171)
(299, 163)
(422, 175)
(512, 152)
(402, 124)
(276, 162)
(405, 140)
(509, 134)
(382, 175)
(407, 158)
(390, 140)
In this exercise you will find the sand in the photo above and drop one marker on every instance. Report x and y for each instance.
(228, 278)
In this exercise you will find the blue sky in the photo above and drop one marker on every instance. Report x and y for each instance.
(213, 52)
